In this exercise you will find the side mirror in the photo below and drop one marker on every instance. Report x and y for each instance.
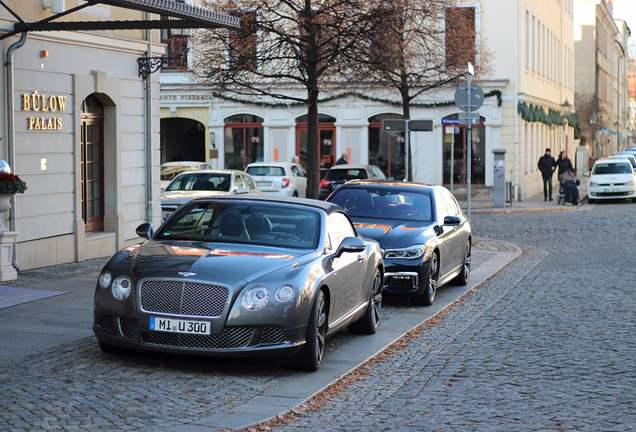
(452, 220)
(351, 245)
(145, 230)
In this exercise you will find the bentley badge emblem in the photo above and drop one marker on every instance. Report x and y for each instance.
(187, 274)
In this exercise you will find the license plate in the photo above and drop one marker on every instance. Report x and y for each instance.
(172, 325)
(264, 184)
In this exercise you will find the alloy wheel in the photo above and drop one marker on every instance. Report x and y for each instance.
(377, 299)
(321, 329)
(467, 261)
(432, 275)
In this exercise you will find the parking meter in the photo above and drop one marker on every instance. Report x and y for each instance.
(499, 178)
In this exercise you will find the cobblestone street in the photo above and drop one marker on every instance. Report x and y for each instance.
(550, 344)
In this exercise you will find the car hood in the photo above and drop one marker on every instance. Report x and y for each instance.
(393, 234)
(611, 178)
(182, 197)
(228, 264)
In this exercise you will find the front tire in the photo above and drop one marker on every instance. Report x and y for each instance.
(109, 349)
(463, 277)
(310, 356)
(591, 201)
(370, 321)
(425, 295)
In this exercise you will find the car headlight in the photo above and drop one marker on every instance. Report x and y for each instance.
(630, 183)
(105, 279)
(255, 298)
(122, 286)
(285, 294)
(411, 252)
(593, 184)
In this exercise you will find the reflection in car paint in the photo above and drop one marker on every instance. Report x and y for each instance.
(221, 252)
(385, 228)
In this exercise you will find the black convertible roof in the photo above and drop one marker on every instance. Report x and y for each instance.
(322, 205)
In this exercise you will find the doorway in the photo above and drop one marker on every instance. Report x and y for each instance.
(243, 141)
(182, 139)
(455, 141)
(92, 163)
(326, 140)
(387, 150)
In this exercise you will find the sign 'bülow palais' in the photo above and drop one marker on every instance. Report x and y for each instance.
(43, 104)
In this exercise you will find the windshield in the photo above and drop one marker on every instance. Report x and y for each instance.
(266, 171)
(631, 160)
(246, 223)
(612, 168)
(201, 182)
(169, 172)
(346, 174)
(385, 204)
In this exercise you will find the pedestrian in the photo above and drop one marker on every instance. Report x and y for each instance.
(295, 159)
(342, 160)
(547, 165)
(563, 164)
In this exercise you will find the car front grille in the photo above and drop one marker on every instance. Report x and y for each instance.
(229, 338)
(612, 194)
(183, 298)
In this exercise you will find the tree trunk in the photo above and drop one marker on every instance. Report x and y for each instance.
(406, 113)
(313, 147)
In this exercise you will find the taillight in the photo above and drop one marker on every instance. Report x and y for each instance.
(285, 182)
(324, 183)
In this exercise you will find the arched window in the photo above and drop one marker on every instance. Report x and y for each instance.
(387, 150)
(92, 163)
(243, 140)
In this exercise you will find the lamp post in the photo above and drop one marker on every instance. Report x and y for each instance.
(566, 108)
(593, 121)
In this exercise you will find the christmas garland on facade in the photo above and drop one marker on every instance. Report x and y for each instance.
(493, 93)
(537, 114)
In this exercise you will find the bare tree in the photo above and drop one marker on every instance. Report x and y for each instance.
(417, 46)
(285, 50)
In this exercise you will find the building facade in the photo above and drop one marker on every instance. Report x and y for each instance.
(601, 82)
(532, 65)
(80, 137)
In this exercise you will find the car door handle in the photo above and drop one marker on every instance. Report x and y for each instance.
(360, 258)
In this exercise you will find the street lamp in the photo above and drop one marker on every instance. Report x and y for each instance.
(566, 107)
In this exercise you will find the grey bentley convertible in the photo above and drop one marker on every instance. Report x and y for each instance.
(242, 276)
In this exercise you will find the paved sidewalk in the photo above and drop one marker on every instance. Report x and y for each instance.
(53, 375)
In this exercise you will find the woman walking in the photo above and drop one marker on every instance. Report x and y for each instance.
(563, 164)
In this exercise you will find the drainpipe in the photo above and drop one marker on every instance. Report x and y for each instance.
(10, 129)
(517, 196)
(149, 197)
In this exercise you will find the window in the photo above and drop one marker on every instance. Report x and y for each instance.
(534, 44)
(527, 39)
(273, 171)
(381, 203)
(461, 36)
(243, 140)
(525, 132)
(202, 182)
(176, 48)
(243, 43)
(92, 163)
(452, 207)
(338, 228)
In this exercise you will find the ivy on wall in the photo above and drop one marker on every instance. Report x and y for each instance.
(493, 93)
(538, 114)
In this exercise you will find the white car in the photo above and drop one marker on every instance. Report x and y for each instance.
(612, 179)
(170, 170)
(280, 178)
(625, 155)
(198, 184)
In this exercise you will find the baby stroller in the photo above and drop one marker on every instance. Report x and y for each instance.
(568, 189)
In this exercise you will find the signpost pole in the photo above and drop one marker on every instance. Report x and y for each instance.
(469, 152)
(407, 143)
(452, 162)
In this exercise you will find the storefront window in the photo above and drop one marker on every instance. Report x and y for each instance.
(386, 150)
(455, 142)
(243, 140)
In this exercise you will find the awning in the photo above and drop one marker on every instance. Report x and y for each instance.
(180, 14)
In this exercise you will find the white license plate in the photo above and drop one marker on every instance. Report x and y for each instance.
(172, 325)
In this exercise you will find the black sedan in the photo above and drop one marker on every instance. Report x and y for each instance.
(241, 276)
(422, 229)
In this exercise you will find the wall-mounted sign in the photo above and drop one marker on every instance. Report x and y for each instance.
(44, 105)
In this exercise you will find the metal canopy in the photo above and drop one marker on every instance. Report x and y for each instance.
(181, 15)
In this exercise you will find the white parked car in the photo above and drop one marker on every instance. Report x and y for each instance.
(612, 179)
(198, 184)
(626, 155)
(280, 178)
(170, 170)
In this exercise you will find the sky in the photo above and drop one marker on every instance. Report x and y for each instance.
(626, 10)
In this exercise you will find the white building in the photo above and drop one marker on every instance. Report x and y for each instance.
(531, 59)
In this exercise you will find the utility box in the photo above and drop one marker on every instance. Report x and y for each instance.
(499, 178)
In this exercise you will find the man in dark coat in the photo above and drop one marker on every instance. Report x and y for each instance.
(342, 160)
(547, 165)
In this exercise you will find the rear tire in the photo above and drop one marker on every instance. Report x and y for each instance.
(370, 321)
(425, 295)
(311, 353)
(462, 278)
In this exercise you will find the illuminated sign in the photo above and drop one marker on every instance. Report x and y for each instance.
(43, 104)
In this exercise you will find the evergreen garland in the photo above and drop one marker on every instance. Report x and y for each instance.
(537, 114)
(495, 93)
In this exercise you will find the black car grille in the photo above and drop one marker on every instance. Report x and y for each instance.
(229, 338)
(183, 298)
(612, 194)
